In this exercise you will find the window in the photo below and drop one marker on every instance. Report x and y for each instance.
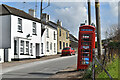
(66, 35)
(51, 46)
(19, 25)
(27, 47)
(21, 47)
(63, 44)
(47, 33)
(31, 49)
(60, 32)
(47, 46)
(66, 44)
(60, 45)
(34, 28)
(54, 47)
(54, 36)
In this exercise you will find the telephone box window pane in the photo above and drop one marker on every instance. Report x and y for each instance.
(86, 47)
(86, 55)
(86, 37)
(85, 43)
(86, 51)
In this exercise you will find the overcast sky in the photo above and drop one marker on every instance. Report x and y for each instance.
(72, 14)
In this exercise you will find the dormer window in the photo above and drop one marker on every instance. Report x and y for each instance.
(34, 29)
(19, 25)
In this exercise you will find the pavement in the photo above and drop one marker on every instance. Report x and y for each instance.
(16, 63)
(39, 69)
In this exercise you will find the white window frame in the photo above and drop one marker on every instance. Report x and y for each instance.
(34, 30)
(19, 25)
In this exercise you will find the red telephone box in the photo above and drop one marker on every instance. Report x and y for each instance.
(86, 44)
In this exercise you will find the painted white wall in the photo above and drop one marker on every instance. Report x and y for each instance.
(5, 31)
(1, 55)
(27, 26)
(44, 42)
(51, 40)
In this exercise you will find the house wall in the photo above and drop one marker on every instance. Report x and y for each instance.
(27, 26)
(44, 42)
(62, 38)
(5, 32)
(51, 40)
(1, 55)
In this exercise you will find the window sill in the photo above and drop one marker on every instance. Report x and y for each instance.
(20, 31)
(23, 54)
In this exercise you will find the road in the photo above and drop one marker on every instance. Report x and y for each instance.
(40, 69)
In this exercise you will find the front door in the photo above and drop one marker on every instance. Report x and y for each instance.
(41, 48)
(37, 50)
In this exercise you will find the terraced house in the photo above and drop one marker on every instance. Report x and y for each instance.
(62, 36)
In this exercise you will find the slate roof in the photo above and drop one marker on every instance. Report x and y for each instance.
(7, 10)
(50, 22)
(72, 38)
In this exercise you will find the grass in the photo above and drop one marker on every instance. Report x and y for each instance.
(112, 69)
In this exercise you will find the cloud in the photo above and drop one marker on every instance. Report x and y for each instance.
(114, 8)
(71, 15)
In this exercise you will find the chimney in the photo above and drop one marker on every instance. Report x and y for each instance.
(59, 23)
(45, 17)
(32, 12)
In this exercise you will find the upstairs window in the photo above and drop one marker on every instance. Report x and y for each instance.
(59, 32)
(66, 35)
(34, 29)
(47, 33)
(54, 36)
(19, 25)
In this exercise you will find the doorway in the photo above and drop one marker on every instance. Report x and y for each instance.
(37, 50)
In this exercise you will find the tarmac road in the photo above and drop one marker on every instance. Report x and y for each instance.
(40, 69)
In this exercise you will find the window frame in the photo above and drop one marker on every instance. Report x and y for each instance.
(47, 46)
(60, 44)
(47, 33)
(34, 29)
(20, 25)
(59, 32)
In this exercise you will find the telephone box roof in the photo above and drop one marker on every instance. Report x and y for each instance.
(87, 26)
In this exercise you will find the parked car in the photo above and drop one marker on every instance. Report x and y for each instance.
(68, 51)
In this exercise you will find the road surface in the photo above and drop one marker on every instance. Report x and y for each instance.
(40, 69)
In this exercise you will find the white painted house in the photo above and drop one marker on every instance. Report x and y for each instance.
(20, 34)
(49, 37)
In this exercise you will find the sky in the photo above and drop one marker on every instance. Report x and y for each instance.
(72, 14)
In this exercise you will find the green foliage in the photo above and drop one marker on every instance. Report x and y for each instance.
(114, 44)
(112, 70)
(88, 73)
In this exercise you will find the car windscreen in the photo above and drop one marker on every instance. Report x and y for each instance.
(66, 48)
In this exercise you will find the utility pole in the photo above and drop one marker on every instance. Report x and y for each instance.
(41, 10)
(99, 44)
(89, 12)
